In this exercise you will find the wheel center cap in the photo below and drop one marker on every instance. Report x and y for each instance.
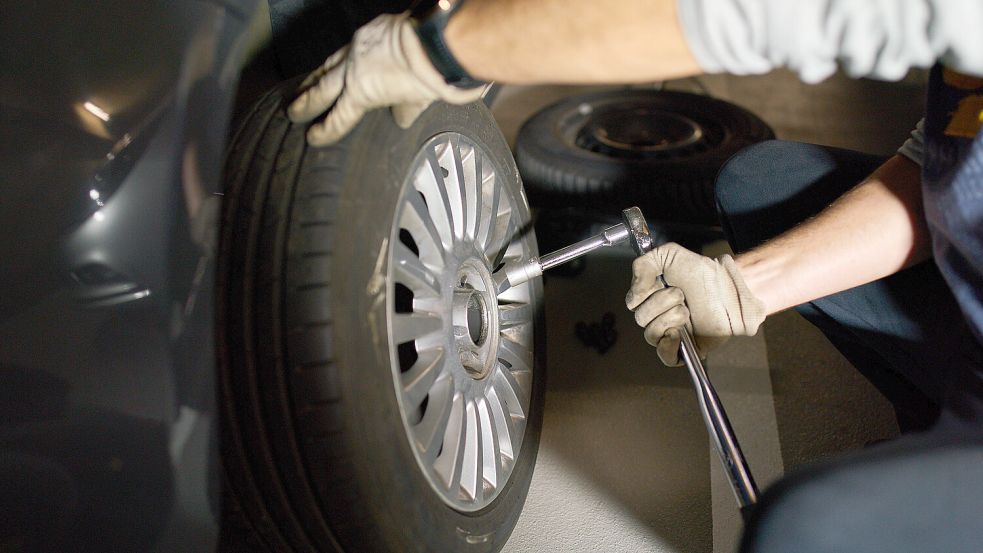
(475, 319)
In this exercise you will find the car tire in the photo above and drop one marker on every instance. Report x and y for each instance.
(656, 149)
(320, 445)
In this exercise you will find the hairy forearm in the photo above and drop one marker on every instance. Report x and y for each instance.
(875, 230)
(570, 41)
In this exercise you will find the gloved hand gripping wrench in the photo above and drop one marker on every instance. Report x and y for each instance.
(634, 229)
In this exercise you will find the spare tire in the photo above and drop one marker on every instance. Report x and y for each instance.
(377, 396)
(659, 150)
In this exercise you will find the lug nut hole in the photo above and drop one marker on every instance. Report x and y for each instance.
(477, 319)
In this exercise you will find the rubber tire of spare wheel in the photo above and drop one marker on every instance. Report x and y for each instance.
(314, 452)
(674, 186)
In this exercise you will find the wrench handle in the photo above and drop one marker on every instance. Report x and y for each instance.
(718, 426)
(714, 416)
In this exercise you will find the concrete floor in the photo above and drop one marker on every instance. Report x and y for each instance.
(625, 463)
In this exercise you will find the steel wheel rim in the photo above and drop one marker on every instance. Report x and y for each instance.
(643, 130)
(461, 357)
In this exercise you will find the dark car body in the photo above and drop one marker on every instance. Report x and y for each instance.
(113, 119)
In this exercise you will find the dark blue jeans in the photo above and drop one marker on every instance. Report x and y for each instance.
(905, 334)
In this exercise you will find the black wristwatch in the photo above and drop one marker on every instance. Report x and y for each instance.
(430, 20)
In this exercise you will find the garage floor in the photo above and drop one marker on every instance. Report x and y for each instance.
(625, 463)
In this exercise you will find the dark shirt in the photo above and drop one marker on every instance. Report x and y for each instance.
(952, 185)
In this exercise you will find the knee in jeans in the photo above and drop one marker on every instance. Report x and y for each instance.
(796, 517)
(741, 176)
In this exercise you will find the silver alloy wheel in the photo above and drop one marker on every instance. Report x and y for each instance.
(462, 358)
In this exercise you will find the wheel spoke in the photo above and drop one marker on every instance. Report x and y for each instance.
(517, 357)
(519, 371)
(514, 314)
(515, 249)
(515, 322)
(468, 187)
(501, 235)
(409, 270)
(418, 381)
(511, 392)
(417, 221)
(472, 173)
(416, 326)
(469, 459)
(495, 251)
(515, 294)
(490, 450)
(450, 161)
(504, 425)
(447, 465)
(438, 422)
(488, 214)
(431, 183)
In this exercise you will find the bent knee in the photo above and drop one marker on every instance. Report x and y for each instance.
(744, 179)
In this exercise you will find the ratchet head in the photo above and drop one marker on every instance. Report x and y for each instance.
(638, 230)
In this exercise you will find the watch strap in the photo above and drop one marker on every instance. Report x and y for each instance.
(430, 27)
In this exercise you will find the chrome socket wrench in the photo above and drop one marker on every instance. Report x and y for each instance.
(634, 230)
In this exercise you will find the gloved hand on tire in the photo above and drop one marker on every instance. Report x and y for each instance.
(385, 65)
(707, 296)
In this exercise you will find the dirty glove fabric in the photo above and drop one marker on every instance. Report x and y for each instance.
(385, 65)
(706, 295)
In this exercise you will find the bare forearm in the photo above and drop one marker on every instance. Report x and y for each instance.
(875, 230)
(570, 41)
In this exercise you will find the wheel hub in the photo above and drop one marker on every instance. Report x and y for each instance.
(476, 332)
(640, 131)
(645, 130)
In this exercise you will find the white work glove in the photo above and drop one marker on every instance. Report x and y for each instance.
(385, 65)
(706, 295)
